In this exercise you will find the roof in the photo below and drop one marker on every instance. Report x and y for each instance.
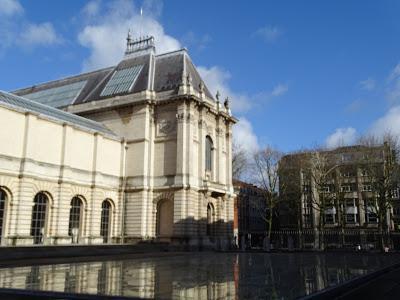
(147, 71)
(9, 100)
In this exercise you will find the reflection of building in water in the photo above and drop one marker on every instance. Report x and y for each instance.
(282, 276)
(144, 279)
(241, 276)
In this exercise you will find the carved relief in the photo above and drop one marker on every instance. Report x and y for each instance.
(219, 131)
(202, 123)
(166, 127)
(184, 117)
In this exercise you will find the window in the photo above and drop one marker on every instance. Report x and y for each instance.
(345, 188)
(3, 199)
(330, 213)
(329, 218)
(351, 211)
(364, 173)
(366, 188)
(307, 213)
(346, 157)
(39, 213)
(105, 220)
(75, 213)
(58, 96)
(121, 81)
(210, 219)
(396, 211)
(325, 189)
(209, 153)
(347, 173)
(370, 212)
(395, 193)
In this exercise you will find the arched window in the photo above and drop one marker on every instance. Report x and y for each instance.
(3, 199)
(75, 216)
(209, 150)
(105, 223)
(210, 219)
(39, 213)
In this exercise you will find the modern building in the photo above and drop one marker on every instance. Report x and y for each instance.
(251, 210)
(133, 152)
(340, 189)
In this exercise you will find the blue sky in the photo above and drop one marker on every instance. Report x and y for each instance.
(299, 73)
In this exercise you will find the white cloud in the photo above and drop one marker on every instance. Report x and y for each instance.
(91, 9)
(354, 106)
(39, 34)
(279, 90)
(217, 79)
(105, 35)
(393, 88)
(341, 137)
(368, 84)
(269, 33)
(17, 31)
(395, 72)
(10, 7)
(389, 123)
(244, 136)
(199, 42)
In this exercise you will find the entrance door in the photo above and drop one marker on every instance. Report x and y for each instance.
(165, 218)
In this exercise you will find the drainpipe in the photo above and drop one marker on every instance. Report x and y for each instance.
(123, 188)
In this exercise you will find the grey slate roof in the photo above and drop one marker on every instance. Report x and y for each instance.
(168, 70)
(13, 101)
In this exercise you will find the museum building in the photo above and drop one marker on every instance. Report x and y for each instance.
(137, 151)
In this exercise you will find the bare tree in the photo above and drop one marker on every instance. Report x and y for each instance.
(319, 178)
(380, 168)
(266, 176)
(240, 161)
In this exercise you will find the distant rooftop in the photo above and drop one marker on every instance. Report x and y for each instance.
(20, 103)
(139, 70)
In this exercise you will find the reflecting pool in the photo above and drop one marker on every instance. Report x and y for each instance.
(200, 275)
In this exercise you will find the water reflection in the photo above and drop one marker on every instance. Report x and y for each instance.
(199, 276)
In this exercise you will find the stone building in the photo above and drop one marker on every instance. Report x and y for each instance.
(137, 151)
(250, 208)
(345, 188)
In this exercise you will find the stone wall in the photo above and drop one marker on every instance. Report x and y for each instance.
(61, 161)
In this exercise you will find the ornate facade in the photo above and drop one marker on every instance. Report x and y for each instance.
(133, 152)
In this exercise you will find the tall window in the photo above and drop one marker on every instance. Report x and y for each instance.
(105, 220)
(3, 198)
(210, 219)
(75, 214)
(209, 150)
(39, 218)
(370, 211)
(307, 211)
(330, 215)
(351, 211)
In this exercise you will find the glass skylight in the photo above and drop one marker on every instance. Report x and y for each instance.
(121, 81)
(59, 96)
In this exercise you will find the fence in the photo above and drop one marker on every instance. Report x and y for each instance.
(334, 239)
